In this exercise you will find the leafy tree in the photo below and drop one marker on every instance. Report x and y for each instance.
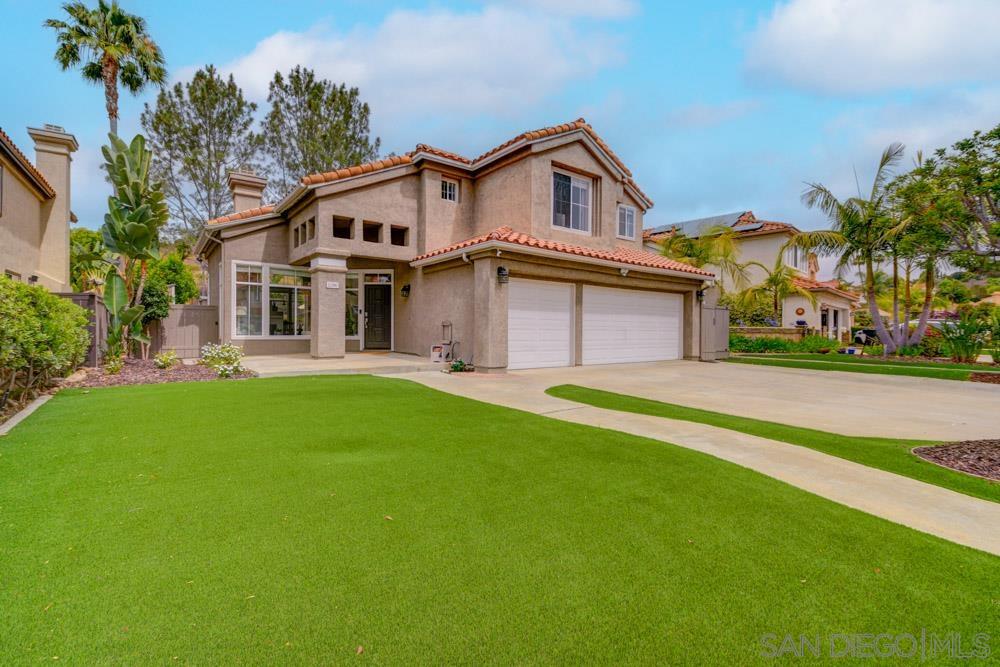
(749, 312)
(313, 126)
(174, 271)
(954, 291)
(717, 247)
(778, 284)
(111, 47)
(88, 260)
(199, 132)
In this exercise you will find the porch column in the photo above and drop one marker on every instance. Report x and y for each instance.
(691, 345)
(489, 316)
(329, 278)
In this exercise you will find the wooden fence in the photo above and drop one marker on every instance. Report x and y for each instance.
(185, 330)
(714, 332)
(98, 325)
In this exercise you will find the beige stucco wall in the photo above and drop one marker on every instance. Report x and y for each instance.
(812, 314)
(20, 224)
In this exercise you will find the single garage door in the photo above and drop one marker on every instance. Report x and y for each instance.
(539, 324)
(621, 326)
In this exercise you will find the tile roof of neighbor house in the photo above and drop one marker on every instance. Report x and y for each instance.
(744, 222)
(406, 158)
(22, 161)
(243, 215)
(622, 255)
(829, 285)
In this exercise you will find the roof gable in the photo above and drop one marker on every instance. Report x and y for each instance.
(29, 170)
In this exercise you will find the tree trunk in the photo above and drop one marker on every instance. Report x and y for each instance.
(896, 337)
(918, 333)
(888, 343)
(109, 72)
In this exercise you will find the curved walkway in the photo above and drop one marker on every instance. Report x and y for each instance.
(925, 507)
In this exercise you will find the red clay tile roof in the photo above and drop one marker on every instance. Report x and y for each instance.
(830, 285)
(406, 158)
(243, 215)
(357, 170)
(25, 164)
(629, 256)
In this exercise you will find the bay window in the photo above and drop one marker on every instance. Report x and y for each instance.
(289, 306)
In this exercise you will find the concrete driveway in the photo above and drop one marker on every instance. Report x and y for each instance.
(847, 403)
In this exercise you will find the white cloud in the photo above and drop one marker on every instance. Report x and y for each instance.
(709, 115)
(602, 9)
(863, 46)
(495, 61)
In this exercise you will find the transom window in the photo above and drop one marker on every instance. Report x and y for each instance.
(289, 308)
(626, 222)
(449, 190)
(570, 202)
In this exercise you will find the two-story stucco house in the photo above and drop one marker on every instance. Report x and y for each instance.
(762, 242)
(529, 255)
(35, 210)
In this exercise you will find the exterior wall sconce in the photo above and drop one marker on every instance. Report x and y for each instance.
(32, 279)
(700, 294)
(404, 291)
(503, 276)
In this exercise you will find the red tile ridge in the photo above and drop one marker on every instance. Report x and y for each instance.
(242, 215)
(357, 170)
(24, 163)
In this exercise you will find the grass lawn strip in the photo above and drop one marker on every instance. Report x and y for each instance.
(296, 519)
(871, 369)
(888, 454)
(858, 359)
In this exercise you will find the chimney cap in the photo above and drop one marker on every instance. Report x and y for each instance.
(246, 177)
(53, 134)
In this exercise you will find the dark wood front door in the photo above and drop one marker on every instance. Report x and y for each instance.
(378, 317)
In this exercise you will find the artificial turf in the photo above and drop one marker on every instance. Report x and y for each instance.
(892, 361)
(891, 454)
(298, 519)
(890, 368)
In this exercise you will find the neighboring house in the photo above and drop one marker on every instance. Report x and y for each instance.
(35, 210)
(763, 241)
(529, 255)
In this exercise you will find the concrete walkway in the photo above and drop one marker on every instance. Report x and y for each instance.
(925, 507)
(280, 365)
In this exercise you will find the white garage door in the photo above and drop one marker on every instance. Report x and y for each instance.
(622, 326)
(539, 324)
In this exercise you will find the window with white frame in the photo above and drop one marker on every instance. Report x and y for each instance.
(449, 190)
(352, 306)
(626, 222)
(288, 309)
(570, 202)
(797, 257)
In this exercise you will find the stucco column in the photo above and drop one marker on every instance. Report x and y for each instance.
(691, 345)
(329, 278)
(490, 316)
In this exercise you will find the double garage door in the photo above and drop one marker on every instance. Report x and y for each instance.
(618, 326)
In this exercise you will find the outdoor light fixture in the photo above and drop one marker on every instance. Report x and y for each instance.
(700, 294)
(32, 280)
(503, 276)
(404, 291)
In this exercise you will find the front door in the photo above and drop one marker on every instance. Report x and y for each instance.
(378, 317)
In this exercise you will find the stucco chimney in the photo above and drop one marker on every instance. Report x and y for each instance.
(247, 188)
(54, 148)
(813, 261)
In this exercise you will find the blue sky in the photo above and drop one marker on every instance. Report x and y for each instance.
(716, 107)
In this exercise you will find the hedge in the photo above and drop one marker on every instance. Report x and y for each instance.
(42, 337)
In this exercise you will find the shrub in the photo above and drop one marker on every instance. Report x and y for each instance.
(756, 314)
(113, 365)
(42, 337)
(815, 344)
(966, 338)
(863, 319)
(165, 360)
(932, 344)
(739, 343)
(225, 359)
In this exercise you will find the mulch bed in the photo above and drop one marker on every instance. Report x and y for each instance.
(992, 378)
(140, 371)
(975, 457)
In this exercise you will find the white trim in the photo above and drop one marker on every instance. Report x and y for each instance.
(265, 297)
(557, 254)
(625, 207)
(328, 262)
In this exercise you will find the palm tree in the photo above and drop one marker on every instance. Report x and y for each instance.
(716, 247)
(861, 235)
(113, 47)
(777, 286)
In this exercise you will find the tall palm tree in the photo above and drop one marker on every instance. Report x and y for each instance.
(860, 235)
(717, 247)
(776, 287)
(112, 46)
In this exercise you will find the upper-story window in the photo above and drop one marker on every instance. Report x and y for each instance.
(626, 222)
(449, 190)
(797, 258)
(570, 202)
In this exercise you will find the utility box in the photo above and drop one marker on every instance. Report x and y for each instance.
(441, 352)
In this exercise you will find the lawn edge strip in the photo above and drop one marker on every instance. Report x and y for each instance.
(954, 374)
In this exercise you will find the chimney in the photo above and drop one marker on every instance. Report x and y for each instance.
(54, 148)
(813, 265)
(247, 188)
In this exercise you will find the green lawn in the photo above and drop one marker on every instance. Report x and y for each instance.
(884, 453)
(247, 522)
(889, 368)
(858, 359)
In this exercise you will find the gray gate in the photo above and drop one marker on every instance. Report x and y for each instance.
(98, 325)
(185, 330)
(714, 333)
